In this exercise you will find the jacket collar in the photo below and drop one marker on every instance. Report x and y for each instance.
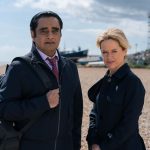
(92, 92)
(121, 72)
(36, 58)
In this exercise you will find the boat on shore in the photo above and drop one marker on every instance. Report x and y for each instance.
(74, 54)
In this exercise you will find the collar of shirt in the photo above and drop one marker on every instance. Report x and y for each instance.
(44, 57)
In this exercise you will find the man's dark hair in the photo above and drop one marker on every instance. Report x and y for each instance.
(35, 19)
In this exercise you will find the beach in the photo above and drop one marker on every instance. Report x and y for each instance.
(89, 76)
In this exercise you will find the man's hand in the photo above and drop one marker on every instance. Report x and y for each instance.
(53, 98)
(95, 147)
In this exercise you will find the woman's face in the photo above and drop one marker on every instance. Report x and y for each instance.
(113, 54)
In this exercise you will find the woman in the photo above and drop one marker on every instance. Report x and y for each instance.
(118, 99)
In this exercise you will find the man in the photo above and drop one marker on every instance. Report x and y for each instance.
(25, 97)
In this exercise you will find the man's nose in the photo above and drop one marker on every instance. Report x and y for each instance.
(49, 34)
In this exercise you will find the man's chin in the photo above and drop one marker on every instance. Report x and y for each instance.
(51, 52)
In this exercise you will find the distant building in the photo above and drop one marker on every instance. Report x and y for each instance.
(139, 58)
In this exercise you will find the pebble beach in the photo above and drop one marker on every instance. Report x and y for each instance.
(88, 76)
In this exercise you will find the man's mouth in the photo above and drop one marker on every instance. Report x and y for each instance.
(49, 43)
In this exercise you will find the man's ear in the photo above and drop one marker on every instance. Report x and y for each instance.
(32, 34)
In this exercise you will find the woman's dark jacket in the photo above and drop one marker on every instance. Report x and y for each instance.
(118, 102)
(23, 98)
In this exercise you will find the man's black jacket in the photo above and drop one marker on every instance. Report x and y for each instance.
(23, 97)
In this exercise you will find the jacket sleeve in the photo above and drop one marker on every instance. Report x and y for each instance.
(92, 136)
(12, 106)
(78, 113)
(134, 100)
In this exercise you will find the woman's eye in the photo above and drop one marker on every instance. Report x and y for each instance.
(104, 52)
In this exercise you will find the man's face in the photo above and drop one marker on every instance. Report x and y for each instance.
(47, 35)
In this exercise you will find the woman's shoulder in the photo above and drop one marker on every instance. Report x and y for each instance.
(132, 77)
(94, 89)
(134, 81)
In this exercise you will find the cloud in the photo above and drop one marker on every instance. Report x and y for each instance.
(116, 10)
(8, 52)
(131, 16)
(23, 3)
(47, 4)
(89, 30)
(94, 10)
(130, 27)
(131, 5)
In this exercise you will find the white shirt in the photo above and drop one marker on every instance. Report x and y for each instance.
(44, 57)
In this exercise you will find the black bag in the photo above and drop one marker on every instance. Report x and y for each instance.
(9, 137)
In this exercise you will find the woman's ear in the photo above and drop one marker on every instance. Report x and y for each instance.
(125, 51)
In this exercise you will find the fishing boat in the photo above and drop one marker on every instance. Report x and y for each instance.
(74, 54)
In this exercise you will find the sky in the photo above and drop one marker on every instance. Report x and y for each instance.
(83, 21)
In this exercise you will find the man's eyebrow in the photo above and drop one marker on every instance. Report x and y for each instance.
(43, 28)
(56, 28)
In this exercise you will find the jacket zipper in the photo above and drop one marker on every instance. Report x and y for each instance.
(59, 110)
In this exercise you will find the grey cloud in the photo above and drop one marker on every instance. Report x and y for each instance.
(116, 10)
(99, 10)
(139, 5)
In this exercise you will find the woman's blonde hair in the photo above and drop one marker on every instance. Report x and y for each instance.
(114, 34)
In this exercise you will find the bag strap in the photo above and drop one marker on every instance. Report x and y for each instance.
(42, 76)
(37, 69)
(28, 125)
